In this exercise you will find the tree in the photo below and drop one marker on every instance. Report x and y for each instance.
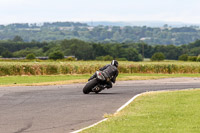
(56, 55)
(22, 53)
(172, 52)
(80, 49)
(30, 56)
(132, 55)
(17, 39)
(7, 54)
(159, 56)
(192, 58)
(198, 58)
(195, 51)
(116, 36)
(165, 25)
(105, 58)
(183, 57)
(2, 49)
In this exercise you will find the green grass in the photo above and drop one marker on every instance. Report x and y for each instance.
(157, 112)
(66, 79)
(34, 80)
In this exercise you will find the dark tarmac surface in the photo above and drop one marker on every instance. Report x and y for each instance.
(64, 108)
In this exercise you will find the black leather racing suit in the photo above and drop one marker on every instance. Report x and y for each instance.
(112, 73)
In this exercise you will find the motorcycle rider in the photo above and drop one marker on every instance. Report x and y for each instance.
(110, 71)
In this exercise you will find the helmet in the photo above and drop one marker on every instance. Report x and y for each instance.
(114, 63)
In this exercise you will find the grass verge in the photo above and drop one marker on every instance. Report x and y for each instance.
(41, 80)
(67, 79)
(156, 112)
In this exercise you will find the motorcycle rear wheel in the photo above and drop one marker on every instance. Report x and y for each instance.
(88, 87)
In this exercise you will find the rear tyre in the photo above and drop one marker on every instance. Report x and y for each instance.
(88, 87)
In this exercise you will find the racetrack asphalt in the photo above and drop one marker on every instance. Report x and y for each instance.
(64, 108)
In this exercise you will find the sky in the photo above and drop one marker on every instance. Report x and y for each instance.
(38, 11)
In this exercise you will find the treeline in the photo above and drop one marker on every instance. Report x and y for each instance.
(46, 24)
(83, 50)
(105, 34)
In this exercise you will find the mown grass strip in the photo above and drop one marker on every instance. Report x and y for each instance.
(42, 80)
(67, 79)
(156, 112)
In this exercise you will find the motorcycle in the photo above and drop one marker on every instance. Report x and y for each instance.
(97, 84)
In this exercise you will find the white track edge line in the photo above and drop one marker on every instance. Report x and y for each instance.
(123, 106)
(127, 103)
(89, 126)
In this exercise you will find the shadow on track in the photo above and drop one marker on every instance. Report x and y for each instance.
(104, 93)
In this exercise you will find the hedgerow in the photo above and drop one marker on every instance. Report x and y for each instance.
(89, 67)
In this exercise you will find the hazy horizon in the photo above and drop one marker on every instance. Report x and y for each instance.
(39, 11)
(142, 23)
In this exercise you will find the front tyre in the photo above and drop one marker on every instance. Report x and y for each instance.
(88, 87)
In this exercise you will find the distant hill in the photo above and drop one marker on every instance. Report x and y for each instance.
(140, 23)
(105, 32)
